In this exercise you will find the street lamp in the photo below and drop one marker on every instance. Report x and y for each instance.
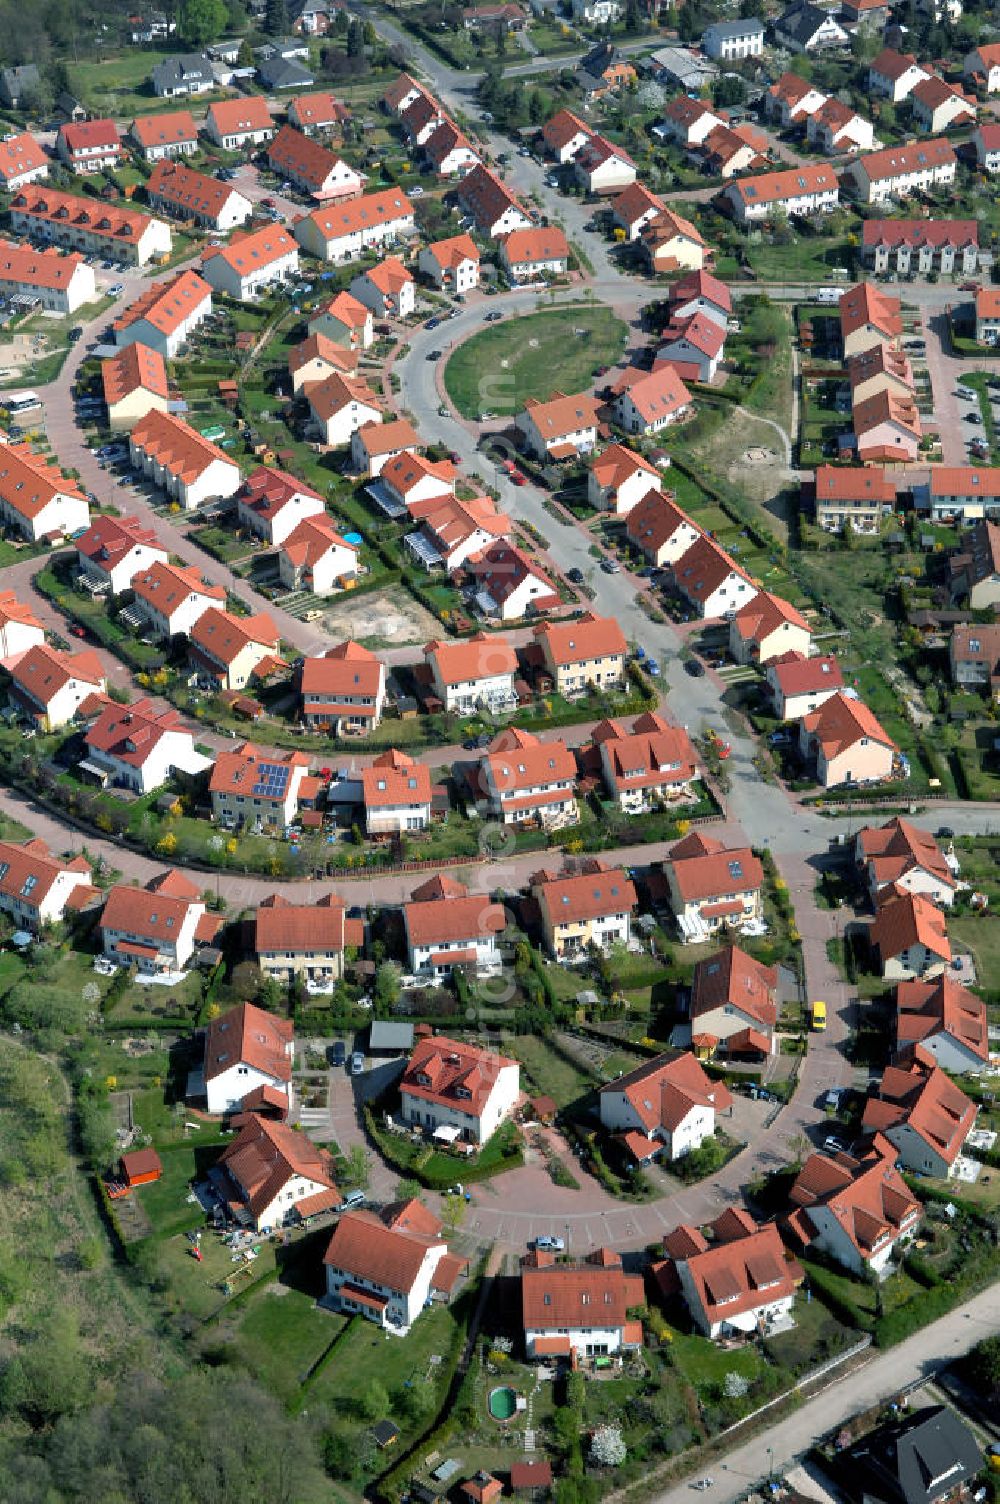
(770, 1463)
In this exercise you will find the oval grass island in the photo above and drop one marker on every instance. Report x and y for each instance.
(533, 355)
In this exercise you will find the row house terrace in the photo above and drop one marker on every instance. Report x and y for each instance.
(344, 231)
(185, 194)
(251, 262)
(712, 887)
(583, 910)
(156, 928)
(82, 224)
(168, 599)
(37, 501)
(164, 317)
(343, 692)
(56, 282)
(191, 469)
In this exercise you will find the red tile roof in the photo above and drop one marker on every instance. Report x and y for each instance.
(30, 480)
(899, 847)
(92, 215)
(656, 754)
(33, 859)
(503, 567)
(395, 781)
(166, 586)
(545, 243)
(363, 1246)
(267, 491)
(187, 191)
(654, 394)
(316, 928)
(388, 206)
(742, 1273)
(664, 1090)
(135, 368)
(166, 305)
(927, 1009)
(223, 636)
(451, 918)
(247, 1035)
(733, 977)
(108, 540)
(899, 161)
(130, 733)
(248, 252)
(319, 109)
(795, 674)
(483, 195)
(555, 1297)
(19, 155)
(928, 1102)
(765, 614)
(237, 770)
(591, 894)
(84, 136)
(452, 1073)
(841, 722)
(703, 568)
(346, 671)
(793, 183)
(452, 252)
(164, 130)
(855, 483)
(704, 868)
(868, 1198)
(562, 128)
(484, 656)
(180, 449)
(47, 268)
(527, 769)
(905, 919)
(867, 305)
(302, 158)
(151, 913)
(319, 347)
(42, 672)
(312, 540)
(654, 520)
(266, 1155)
(588, 638)
(232, 117)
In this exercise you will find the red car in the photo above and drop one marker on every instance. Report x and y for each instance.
(78, 631)
(517, 478)
(268, 203)
(970, 287)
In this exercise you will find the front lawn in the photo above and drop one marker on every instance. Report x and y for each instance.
(548, 1072)
(533, 356)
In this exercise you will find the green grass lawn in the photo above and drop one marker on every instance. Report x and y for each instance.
(980, 934)
(533, 356)
(362, 1357)
(704, 1363)
(548, 1072)
(281, 1336)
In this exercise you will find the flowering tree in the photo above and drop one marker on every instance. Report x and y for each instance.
(734, 1386)
(607, 1447)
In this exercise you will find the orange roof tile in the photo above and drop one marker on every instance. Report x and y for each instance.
(546, 243)
(223, 636)
(247, 1035)
(180, 449)
(164, 130)
(733, 977)
(484, 656)
(247, 253)
(135, 368)
(19, 155)
(233, 117)
(29, 480)
(388, 206)
(265, 1156)
(394, 780)
(905, 919)
(166, 305)
(591, 894)
(187, 191)
(92, 215)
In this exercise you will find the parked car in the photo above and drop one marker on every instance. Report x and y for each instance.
(338, 1052)
(357, 1063)
(576, 575)
(694, 668)
(611, 566)
(552, 1245)
(352, 1201)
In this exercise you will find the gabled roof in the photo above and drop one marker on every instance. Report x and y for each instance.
(130, 733)
(920, 1459)
(152, 914)
(19, 155)
(730, 976)
(964, 480)
(347, 310)
(486, 198)
(700, 285)
(654, 755)
(589, 637)
(29, 869)
(30, 480)
(166, 586)
(389, 276)
(898, 847)
(714, 870)
(394, 780)
(842, 722)
(166, 305)
(484, 656)
(927, 1101)
(449, 919)
(863, 483)
(347, 670)
(314, 928)
(363, 1246)
(562, 129)
(591, 894)
(904, 919)
(267, 491)
(545, 243)
(164, 130)
(248, 1035)
(110, 221)
(453, 1073)
(319, 347)
(655, 519)
(557, 1297)
(519, 763)
(135, 368)
(41, 672)
(47, 268)
(868, 1198)
(266, 1155)
(794, 182)
(302, 157)
(617, 464)
(892, 64)
(188, 191)
(795, 674)
(880, 360)
(260, 773)
(561, 415)
(13, 610)
(900, 161)
(90, 135)
(223, 636)
(337, 391)
(249, 251)
(311, 540)
(387, 206)
(663, 1090)
(927, 1009)
(445, 139)
(503, 567)
(765, 614)
(393, 436)
(669, 226)
(654, 394)
(740, 1273)
(318, 108)
(867, 306)
(451, 253)
(702, 568)
(179, 449)
(232, 117)
(109, 539)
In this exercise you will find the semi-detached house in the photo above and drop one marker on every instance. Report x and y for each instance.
(248, 1060)
(619, 479)
(579, 1309)
(250, 262)
(529, 254)
(591, 908)
(305, 940)
(664, 1109)
(396, 792)
(345, 322)
(156, 928)
(451, 928)
(644, 402)
(165, 315)
(273, 1176)
(858, 1212)
(160, 136)
(88, 225)
(317, 357)
(37, 500)
(230, 649)
(651, 764)
(742, 1282)
(344, 691)
(660, 529)
(634, 208)
(948, 1022)
(37, 887)
(191, 469)
(495, 210)
(712, 886)
(57, 282)
(449, 151)
(859, 494)
(909, 935)
(387, 1268)
(479, 671)
(766, 628)
(587, 653)
(449, 1085)
(452, 532)
(809, 189)
(559, 428)
(169, 598)
(937, 106)
(313, 167)
(342, 232)
(523, 779)
(185, 194)
(271, 504)
(22, 161)
(565, 135)
(256, 789)
(733, 1005)
(388, 289)
(20, 629)
(894, 75)
(709, 580)
(981, 67)
(923, 1114)
(89, 145)
(314, 557)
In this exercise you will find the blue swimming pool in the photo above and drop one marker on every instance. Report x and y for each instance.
(354, 538)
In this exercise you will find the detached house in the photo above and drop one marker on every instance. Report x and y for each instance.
(847, 742)
(901, 854)
(559, 428)
(619, 479)
(579, 1310)
(792, 99)
(89, 146)
(314, 557)
(494, 208)
(191, 469)
(742, 1282)
(798, 685)
(658, 527)
(452, 265)
(981, 67)
(305, 940)
(312, 167)
(238, 123)
(387, 1268)
(345, 321)
(946, 1021)
(894, 75)
(447, 926)
(230, 649)
(317, 112)
(271, 504)
(340, 405)
(248, 1060)
(37, 888)
(858, 1212)
(250, 262)
(663, 1109)
(910, 935)
(645, 402)
(478, 671)
(654, 762)
(523, 779)
(937, 106)
(601, 167)
(19, 627)
(526, 255)
(733, 1004)
(139, 748)
(397, 794)
(565, 135)
(114, 550)
(22, 161)
(924, 1115)
(156, 928)
(709, 580)
(160, 136)
(37, 501)
(712, 886)
(450, 1084)
(974, 657)
(271, 1176)
(449, 151)
(169, 598)
(388, 289)
(344, 691)
(255, 789)
(509, 584)
(52, 686)
(584, 910)
(767, 628)
(634, 209)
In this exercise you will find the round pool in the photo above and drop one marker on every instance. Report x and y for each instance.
(502, 1402)
(354, 538)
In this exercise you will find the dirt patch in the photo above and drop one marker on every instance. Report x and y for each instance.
(745, 451)
(381, 621)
